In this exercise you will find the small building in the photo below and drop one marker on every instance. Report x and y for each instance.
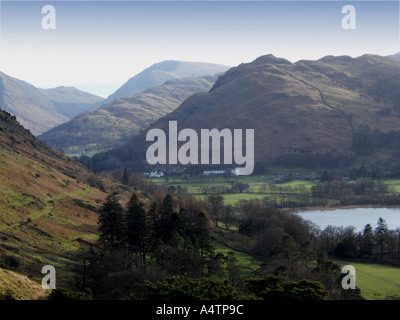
(154, 174)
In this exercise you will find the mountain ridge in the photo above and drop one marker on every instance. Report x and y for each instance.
(41, 109)
(160, 72)
(311, 109)
(116, 122)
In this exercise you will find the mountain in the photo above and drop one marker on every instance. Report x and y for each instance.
(40, 109)
(395, 56)
(116, 122)
(329, 112)
(70, 101)
(30, 106)
(163, 71)
(48, 206)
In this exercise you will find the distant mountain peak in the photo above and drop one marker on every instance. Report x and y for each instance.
(160, 72)
(270, 58)
(395, 56)
(167, 65)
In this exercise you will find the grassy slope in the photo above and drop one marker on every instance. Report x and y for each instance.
(245, 263)
(21, 287)
(377, 282)
(39, 218)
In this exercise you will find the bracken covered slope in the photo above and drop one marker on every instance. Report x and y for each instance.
(48, 203)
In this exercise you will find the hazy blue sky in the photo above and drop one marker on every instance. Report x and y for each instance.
(97, 46)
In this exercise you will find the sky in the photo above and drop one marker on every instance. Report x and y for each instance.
(97, 46)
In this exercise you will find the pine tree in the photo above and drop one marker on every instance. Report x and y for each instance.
(110, 223)
(125, 177)
(154, 223)
(136, 227)
(367, 242)
(382, 235)
(203, 234)
(165, 225)
(216, 202)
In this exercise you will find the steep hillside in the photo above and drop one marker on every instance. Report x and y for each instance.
(309, 113)
(48, 203)
(116, 122)
(29, 105)
(41, 109)
(19, 287)
(163, 71)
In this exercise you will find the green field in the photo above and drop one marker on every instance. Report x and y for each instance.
(395, 183)
(377, 282)
(259, 187)
(245, 262)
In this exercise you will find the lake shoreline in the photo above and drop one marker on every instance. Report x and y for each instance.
(329, 208)
(356, 216)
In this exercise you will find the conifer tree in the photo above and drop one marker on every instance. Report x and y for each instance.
(367, 242)
(137, 229)
(125, 177)
(382, 235)
(165, 226)
(110, 223)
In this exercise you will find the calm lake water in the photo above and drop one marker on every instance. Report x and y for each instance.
(356, 217)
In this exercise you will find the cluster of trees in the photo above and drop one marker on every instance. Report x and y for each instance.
(289, 250)
(278, 238)
(136, 181)
(235, 187)
(357, 192)
(336, 192)
(366, 141)
(164, 249)
(379, 244)
(165, 223)
(311, 159)
(142, 244)
(287, 246)
(178, 189)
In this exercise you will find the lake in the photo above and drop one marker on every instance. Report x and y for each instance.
(356, 217)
